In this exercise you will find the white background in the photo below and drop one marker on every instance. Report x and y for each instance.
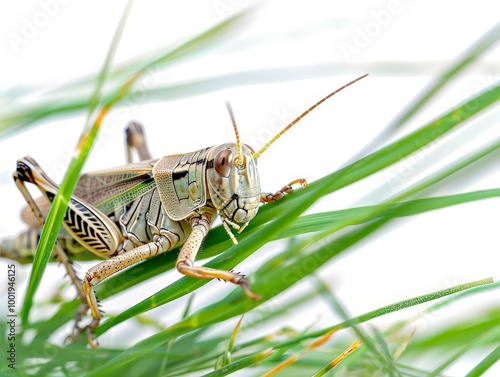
(415, 255)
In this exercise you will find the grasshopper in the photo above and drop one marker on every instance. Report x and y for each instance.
(145, 208)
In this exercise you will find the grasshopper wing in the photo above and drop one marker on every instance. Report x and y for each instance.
(113, 188)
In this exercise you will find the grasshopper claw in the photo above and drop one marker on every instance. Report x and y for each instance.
(246, 288)
(92, 339)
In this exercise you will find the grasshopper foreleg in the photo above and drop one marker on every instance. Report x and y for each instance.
(185, 260)
(267, 197)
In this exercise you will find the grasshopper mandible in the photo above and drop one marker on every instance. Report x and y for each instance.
(137, 211)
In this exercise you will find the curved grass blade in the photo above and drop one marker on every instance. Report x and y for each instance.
(319, 221)
(56, 214)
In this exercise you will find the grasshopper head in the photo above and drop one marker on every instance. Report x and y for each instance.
(233, 183)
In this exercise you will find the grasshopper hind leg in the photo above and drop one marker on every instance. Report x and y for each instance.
(22, 175)
(92, 229)
(135, 139)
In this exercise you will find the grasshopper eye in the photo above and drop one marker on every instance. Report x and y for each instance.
(223, 161)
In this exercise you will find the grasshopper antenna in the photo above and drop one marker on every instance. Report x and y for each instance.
(238, 161)
(268, 144)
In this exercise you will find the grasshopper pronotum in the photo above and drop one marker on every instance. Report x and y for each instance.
(139, 210)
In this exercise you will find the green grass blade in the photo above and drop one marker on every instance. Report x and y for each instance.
(319, 221)
(217, 242)
(56, 214)
(240, 364)
(395, 152)
(485, 364)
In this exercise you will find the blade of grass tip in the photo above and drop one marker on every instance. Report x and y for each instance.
(382, 350)
(423, 298)
(348, 351)
(240, 364)
(449, 300)
(315, 344)
(187, 309)
(472, 54)
(57, 211)
(226, 357)
(485, 364)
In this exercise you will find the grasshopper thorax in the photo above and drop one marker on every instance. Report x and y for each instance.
(233, 183)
